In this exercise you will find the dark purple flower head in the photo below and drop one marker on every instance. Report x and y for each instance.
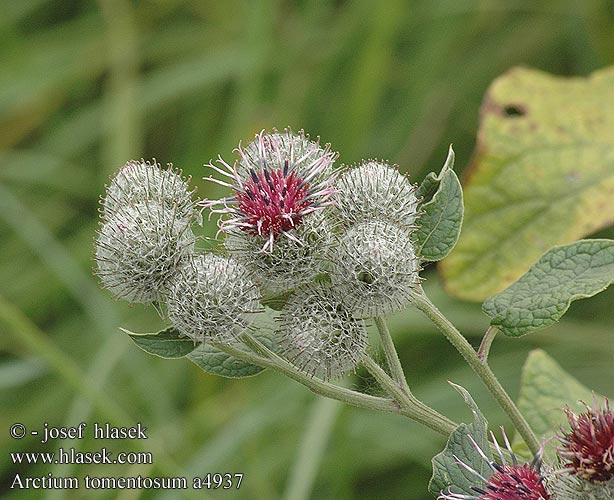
(513, 482)
(508, 481)
(279, 179)
(588, 448)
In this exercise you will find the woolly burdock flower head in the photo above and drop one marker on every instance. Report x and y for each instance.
(507, 481)
(565, 486)
(139, 248)
(211, 298)
(588, 448)
(292, 261)
(374, 269)
(140, 181)
(376, 191)
(279, 179)
(319, 336)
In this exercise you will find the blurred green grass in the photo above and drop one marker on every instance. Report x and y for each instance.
(85, 86)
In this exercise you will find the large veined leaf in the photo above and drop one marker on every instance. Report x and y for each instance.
(542, 295)
(542, 175)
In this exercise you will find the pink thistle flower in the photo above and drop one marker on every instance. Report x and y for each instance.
(508, 481)
(589, 446)
(514, 482)
(279, 179)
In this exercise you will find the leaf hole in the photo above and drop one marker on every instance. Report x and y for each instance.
(514, 110)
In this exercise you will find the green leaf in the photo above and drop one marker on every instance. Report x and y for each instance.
(168, 343)
(542, 175)
(430, 183)
(428, 186)
(216, 362)
(545, 389)
(447, 473)
(440, 223)
(542, 295)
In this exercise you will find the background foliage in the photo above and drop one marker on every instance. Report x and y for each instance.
(86, 85)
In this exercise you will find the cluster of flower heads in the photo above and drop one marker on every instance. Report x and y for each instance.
(145, 253)
(146, 231)
(336, 241)
(584, 468)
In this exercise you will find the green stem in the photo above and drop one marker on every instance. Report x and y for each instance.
(487, 340)
(480, 368)
(392, 357)
(263, 356)
(405, 404)
(409, 405)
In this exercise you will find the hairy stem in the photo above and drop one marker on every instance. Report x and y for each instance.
(392, 357)
(403, 404)
(487, 340)
(409, 405)
(480, 367)
(262, 356)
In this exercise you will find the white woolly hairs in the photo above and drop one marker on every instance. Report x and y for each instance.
(375, 191)
(210, 298)
(562, 485)
(272, 150)
(138, 250)
(141, 180)
(318, 336)
(374, 269)
(290, 263)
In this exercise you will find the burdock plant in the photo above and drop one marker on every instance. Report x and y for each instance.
(327, 251)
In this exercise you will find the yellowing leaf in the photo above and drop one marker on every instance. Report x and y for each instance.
(542, 175)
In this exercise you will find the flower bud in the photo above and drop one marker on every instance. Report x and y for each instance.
(376, 191)
(318, 336)
(375, 269)
(139, 181)
(292, 261)
(210, 298)
(139, 249)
